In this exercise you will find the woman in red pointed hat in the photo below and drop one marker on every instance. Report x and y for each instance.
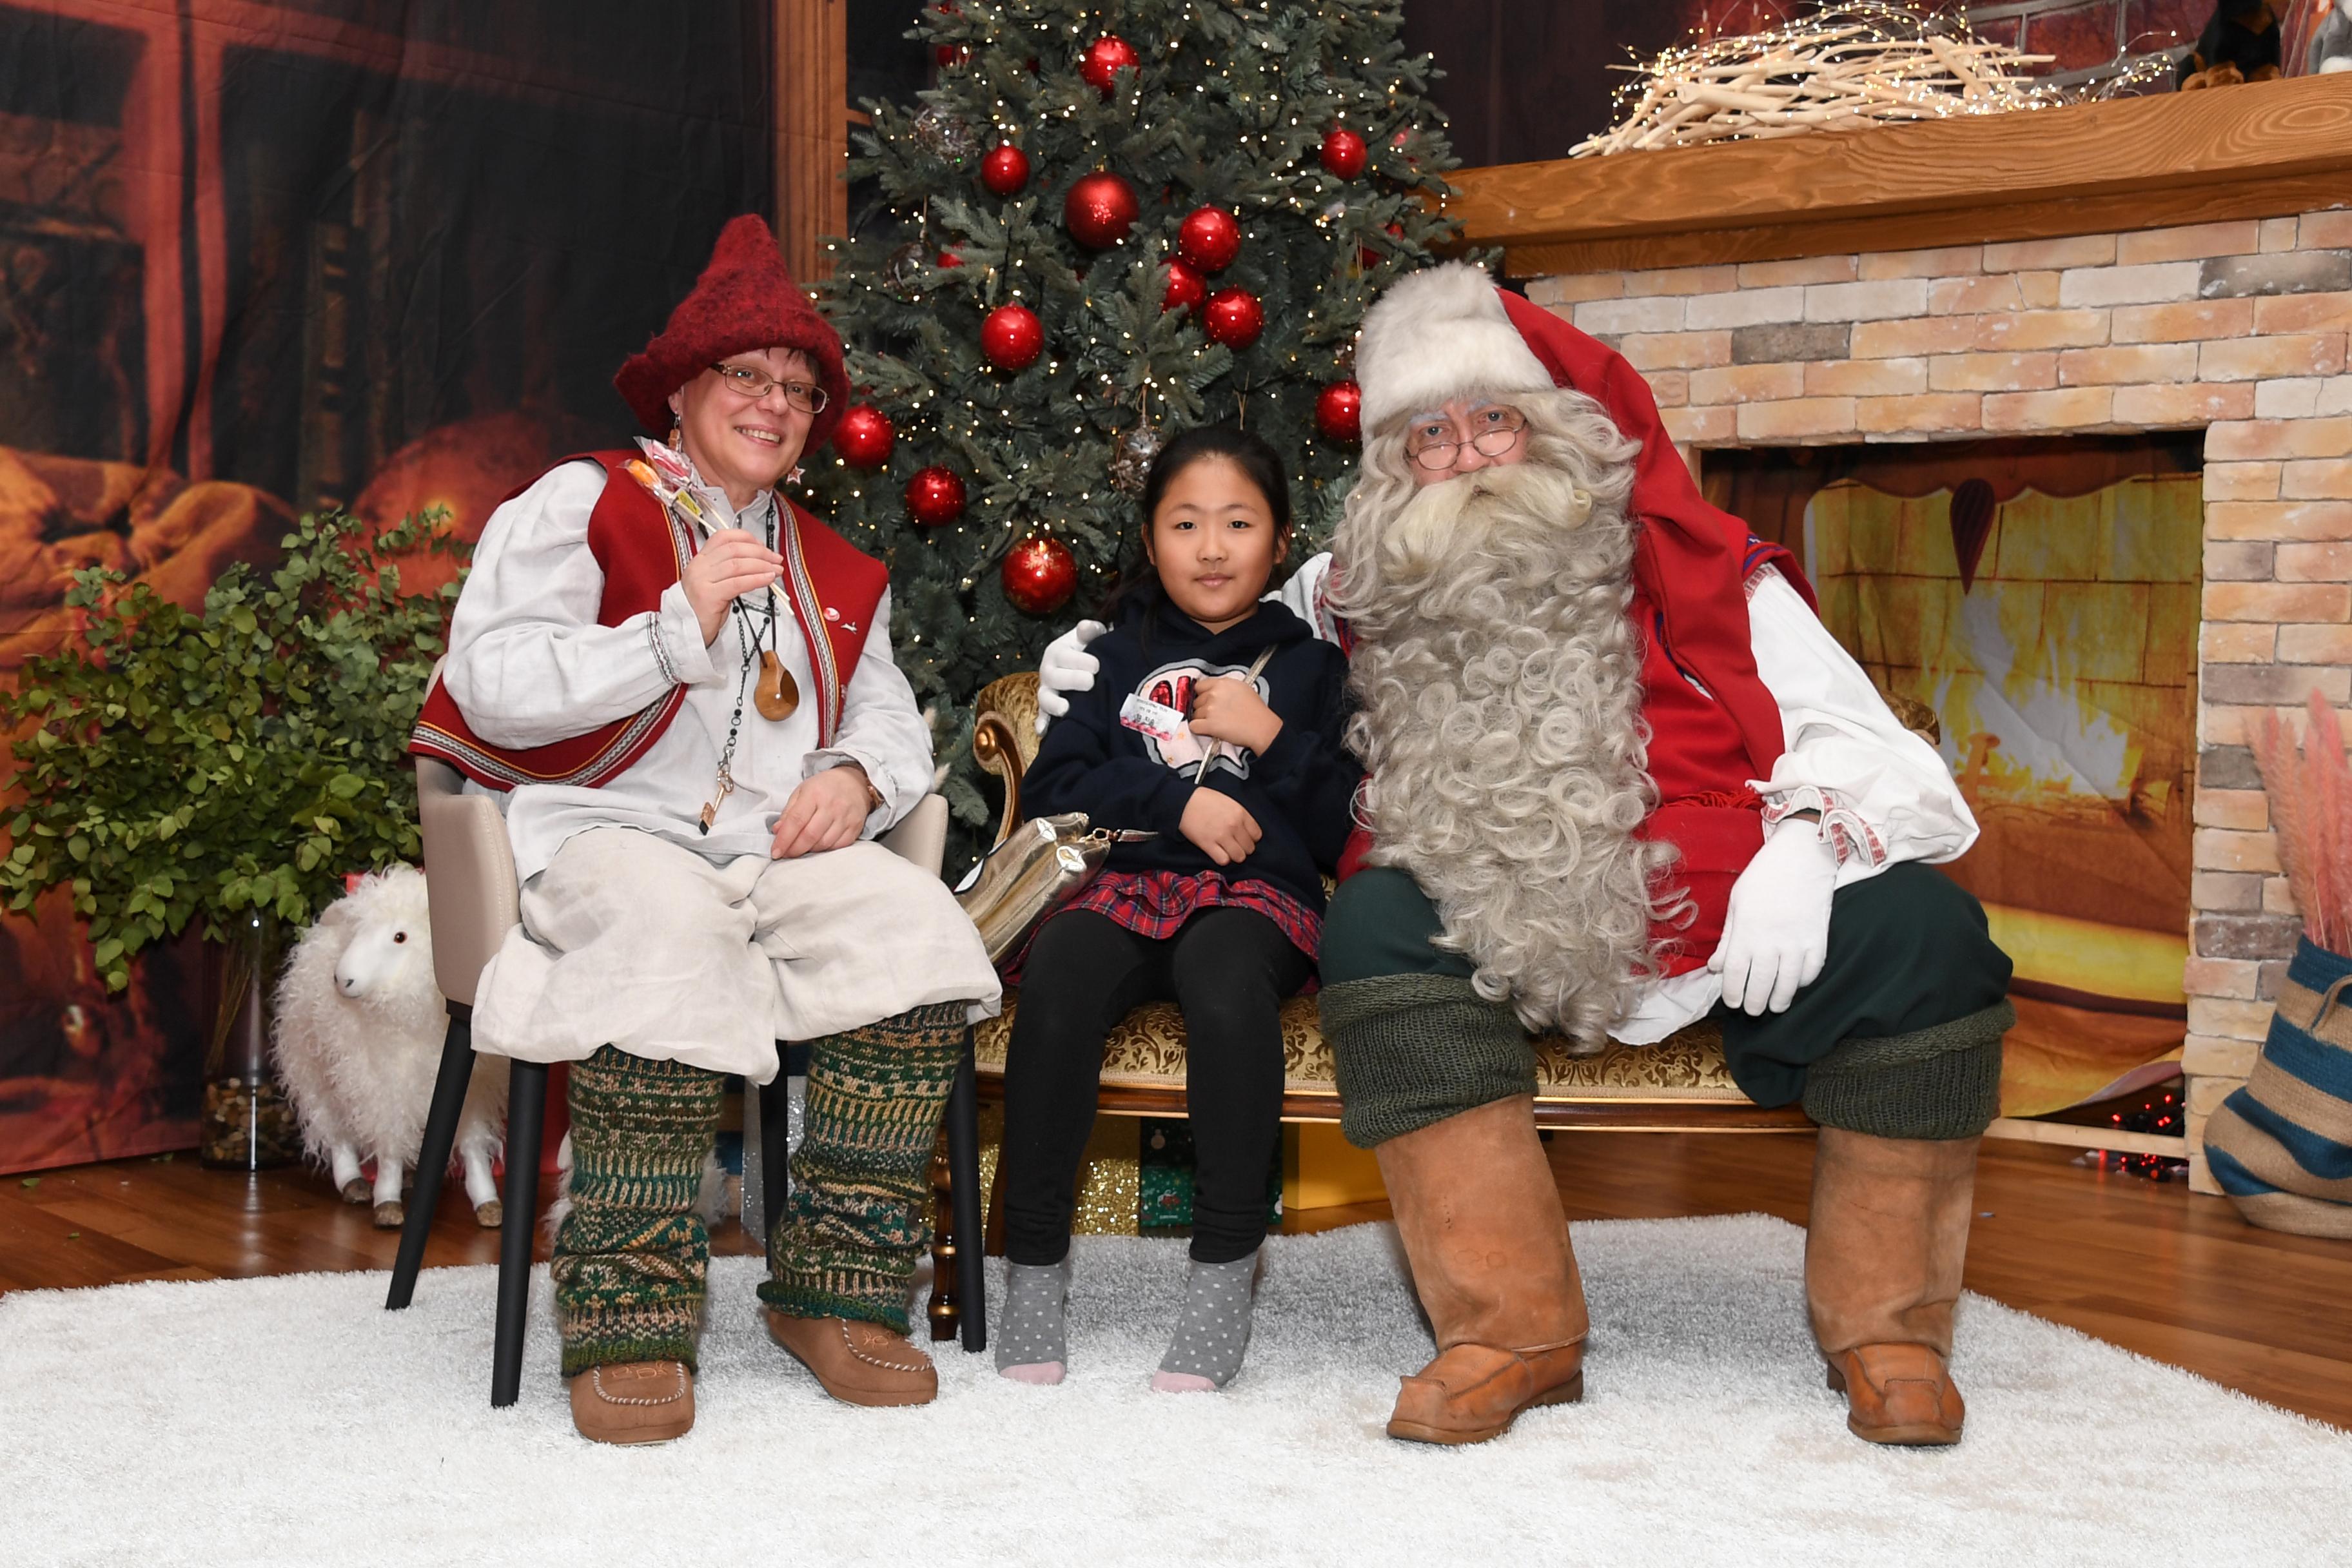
(680, 685)
(1622, 780)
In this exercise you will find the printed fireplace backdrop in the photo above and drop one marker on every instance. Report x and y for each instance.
(258, 258)
(2041, 597)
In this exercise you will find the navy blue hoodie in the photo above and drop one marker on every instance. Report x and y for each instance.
(1301, 791)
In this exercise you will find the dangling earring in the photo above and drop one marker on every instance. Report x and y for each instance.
(676, 436)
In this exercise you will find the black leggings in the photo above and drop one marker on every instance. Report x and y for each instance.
(1228, 969)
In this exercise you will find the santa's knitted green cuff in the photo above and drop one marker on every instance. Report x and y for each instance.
(1409, 1051)
(632, 1255)
(858, 1216)
(1943, 1081)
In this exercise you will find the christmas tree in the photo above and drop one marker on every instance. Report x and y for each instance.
(1106, 223)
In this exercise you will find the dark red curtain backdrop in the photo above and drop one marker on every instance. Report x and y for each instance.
(261, 257)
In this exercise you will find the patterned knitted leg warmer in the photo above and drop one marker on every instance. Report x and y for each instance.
(858, 1216)
(632, 1257)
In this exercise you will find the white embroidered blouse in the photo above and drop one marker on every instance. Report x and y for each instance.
(530, 665)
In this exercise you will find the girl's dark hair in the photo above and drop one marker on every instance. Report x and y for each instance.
(1139, 583)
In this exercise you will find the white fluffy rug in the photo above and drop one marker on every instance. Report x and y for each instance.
(292, 1421)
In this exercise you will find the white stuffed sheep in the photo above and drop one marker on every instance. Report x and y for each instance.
(358, 1031)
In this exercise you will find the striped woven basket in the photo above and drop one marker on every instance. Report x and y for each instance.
(2281, 1147)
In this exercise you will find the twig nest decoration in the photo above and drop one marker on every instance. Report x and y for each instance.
(945, 137)
(1835, 67)
(1130, 465)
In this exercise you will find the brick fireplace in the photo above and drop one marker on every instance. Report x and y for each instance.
(2175, 264)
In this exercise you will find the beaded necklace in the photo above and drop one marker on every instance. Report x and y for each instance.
(757, 642)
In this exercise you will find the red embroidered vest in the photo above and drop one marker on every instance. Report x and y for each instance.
(1700, 763)
(642, 550)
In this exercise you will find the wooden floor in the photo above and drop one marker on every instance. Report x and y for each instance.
(2143, 1265)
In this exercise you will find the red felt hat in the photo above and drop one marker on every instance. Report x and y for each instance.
(744, 299)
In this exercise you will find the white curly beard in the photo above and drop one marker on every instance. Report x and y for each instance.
(1499, 680)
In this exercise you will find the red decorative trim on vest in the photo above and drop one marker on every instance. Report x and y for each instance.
(642, 549)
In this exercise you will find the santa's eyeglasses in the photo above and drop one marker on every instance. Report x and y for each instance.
(1431, 444)
(752, 385)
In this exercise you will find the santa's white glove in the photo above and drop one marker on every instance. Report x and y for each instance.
(1067, 667)
(1776, 934)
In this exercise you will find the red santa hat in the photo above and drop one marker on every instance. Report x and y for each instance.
(1448, 333)
(744, 299)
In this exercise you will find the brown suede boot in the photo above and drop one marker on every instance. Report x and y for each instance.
(1480, 1218)
(1885, 1244)
(633, 1401)
(857, 1362)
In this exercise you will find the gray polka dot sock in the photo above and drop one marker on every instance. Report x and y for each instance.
(1030, 1344)
(1213, 1327)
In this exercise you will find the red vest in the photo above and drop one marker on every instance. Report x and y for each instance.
(1700, 762)
(642, 550)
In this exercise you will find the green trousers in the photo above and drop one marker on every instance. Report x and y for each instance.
(1899, 1037)
(632, 1259)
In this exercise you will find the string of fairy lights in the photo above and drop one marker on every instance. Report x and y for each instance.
(1007, 76)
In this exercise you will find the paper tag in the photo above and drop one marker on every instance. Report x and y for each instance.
(1156, 719)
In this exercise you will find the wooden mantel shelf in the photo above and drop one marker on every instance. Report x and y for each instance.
(2258, 150)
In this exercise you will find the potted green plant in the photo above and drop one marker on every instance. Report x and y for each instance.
(227, 768)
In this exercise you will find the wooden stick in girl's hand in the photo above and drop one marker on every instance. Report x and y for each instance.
(1257, 668)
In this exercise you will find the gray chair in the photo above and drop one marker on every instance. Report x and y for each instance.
(474, 901)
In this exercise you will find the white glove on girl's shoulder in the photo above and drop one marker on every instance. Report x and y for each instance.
(1066, 667)
(1776, 933)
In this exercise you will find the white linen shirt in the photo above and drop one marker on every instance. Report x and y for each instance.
(1884, 794)
(529, 664)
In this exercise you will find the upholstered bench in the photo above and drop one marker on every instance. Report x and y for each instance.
(1679, 1083)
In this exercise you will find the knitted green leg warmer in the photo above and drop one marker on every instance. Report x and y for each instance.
(1412, 1049)
(858, 1216)
(1943, 1081)
(632, 1257)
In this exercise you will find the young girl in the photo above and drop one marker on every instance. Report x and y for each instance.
(1215, 724)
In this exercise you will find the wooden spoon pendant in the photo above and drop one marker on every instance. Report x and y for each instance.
(776, 694)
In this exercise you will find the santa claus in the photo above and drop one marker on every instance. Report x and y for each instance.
(1623, 779)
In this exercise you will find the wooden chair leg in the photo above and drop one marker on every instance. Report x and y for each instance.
(433, 1159)
(775, 1157)
(963, 1161)
(526, 1115)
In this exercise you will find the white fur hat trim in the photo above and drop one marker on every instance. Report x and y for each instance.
(1439, 334)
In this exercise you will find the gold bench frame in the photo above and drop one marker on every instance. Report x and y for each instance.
(1679, 1085)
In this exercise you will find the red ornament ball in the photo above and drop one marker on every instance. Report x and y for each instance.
(1186, 288)
(948, 259)
(1011, 337)
(1339, 412)
(1104, 59)
(1209, 238)
(950, 56)
(1040, 575)
(864, 437)
(1234, 317)
(1005, 171)
(935, 497)
(1344, 153)
(1100, 209)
